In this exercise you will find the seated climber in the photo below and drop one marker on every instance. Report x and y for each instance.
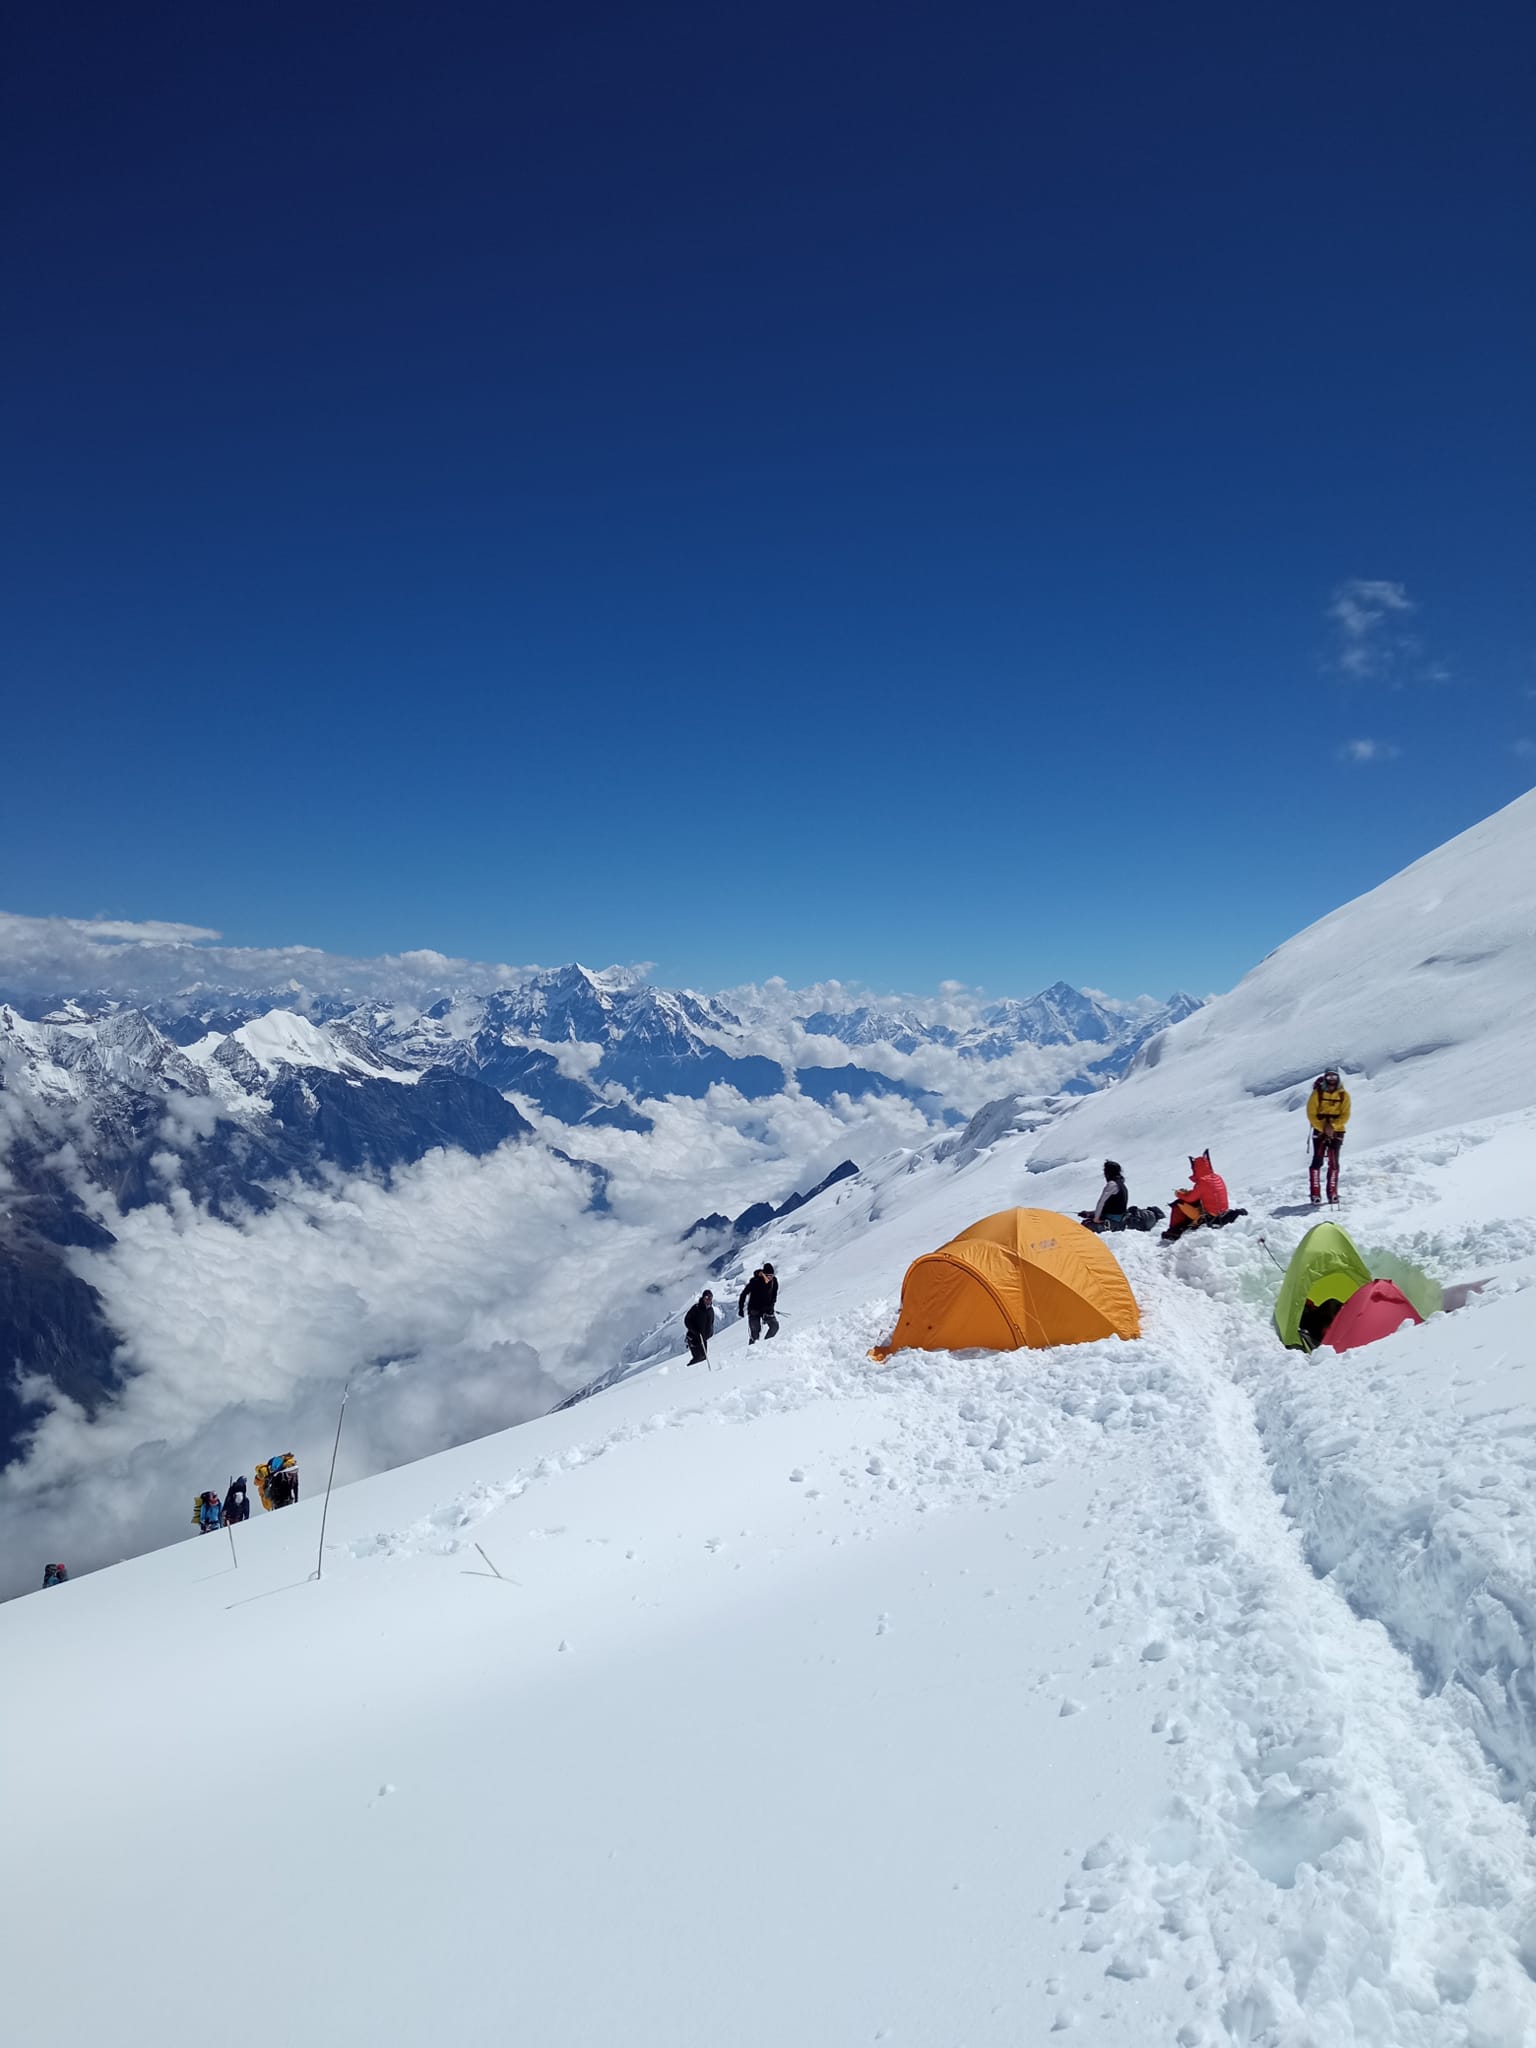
(1203, 1201)
(1109, 1213)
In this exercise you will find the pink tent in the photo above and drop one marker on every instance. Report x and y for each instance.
(1371, 1312)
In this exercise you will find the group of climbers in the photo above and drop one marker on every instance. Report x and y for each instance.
(277, 1486)
(1205, 1200)
(758, 1302)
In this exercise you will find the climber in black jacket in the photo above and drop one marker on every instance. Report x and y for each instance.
(757, 1301)
(700, 1326)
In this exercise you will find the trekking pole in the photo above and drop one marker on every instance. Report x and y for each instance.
(335, 1447)
(230, 1525)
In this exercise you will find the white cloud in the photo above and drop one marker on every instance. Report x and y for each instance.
(1360, 604)
(1523, 749)
(465, 1296)
(1371, 643)
(49, 955)
(146, 934)
(1368, 750)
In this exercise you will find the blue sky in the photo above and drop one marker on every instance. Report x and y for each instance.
(895, 492)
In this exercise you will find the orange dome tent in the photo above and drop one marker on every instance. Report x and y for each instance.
(1023, 1276)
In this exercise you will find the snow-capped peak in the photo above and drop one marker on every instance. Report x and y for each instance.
(282, 1038)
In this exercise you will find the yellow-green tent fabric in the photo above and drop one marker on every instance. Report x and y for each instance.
(1324, 1267)
(1427, 1295)
(1021, 1277)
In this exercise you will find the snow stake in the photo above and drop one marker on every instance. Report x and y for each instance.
(325, 1511)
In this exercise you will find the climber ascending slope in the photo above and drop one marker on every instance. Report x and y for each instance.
(699, 1327)
(277, 1481)
(1327, 1113)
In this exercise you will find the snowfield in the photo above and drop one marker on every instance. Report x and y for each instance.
(1176, 1692)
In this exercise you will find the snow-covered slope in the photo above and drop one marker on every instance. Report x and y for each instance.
(1170, 1692)
(1422, 992)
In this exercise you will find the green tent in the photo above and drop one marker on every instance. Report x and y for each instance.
(1427, 1295)
(1324, 1267)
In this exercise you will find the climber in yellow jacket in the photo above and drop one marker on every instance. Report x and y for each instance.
(1327, 1113)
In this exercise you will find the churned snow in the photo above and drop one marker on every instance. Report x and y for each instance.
(1178, 1691)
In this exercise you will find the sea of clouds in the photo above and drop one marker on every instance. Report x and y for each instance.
(459, 1297)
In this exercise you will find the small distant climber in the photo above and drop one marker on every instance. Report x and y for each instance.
(208, 1513)
(757, 1301)
(699, 1323)
(283, 1480)
(237, 1502)
(1203, 1201)
(1327, 1113)
(1109, 1213)
(54, 1575)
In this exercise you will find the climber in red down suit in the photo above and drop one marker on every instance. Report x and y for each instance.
(1202, 1201)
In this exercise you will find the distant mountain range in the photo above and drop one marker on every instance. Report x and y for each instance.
(222, 1096)
(1059, 1015)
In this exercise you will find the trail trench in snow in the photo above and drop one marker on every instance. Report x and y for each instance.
(1338, 1864)
(1327, 1802)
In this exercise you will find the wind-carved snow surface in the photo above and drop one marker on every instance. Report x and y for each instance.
(1177, 1691)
